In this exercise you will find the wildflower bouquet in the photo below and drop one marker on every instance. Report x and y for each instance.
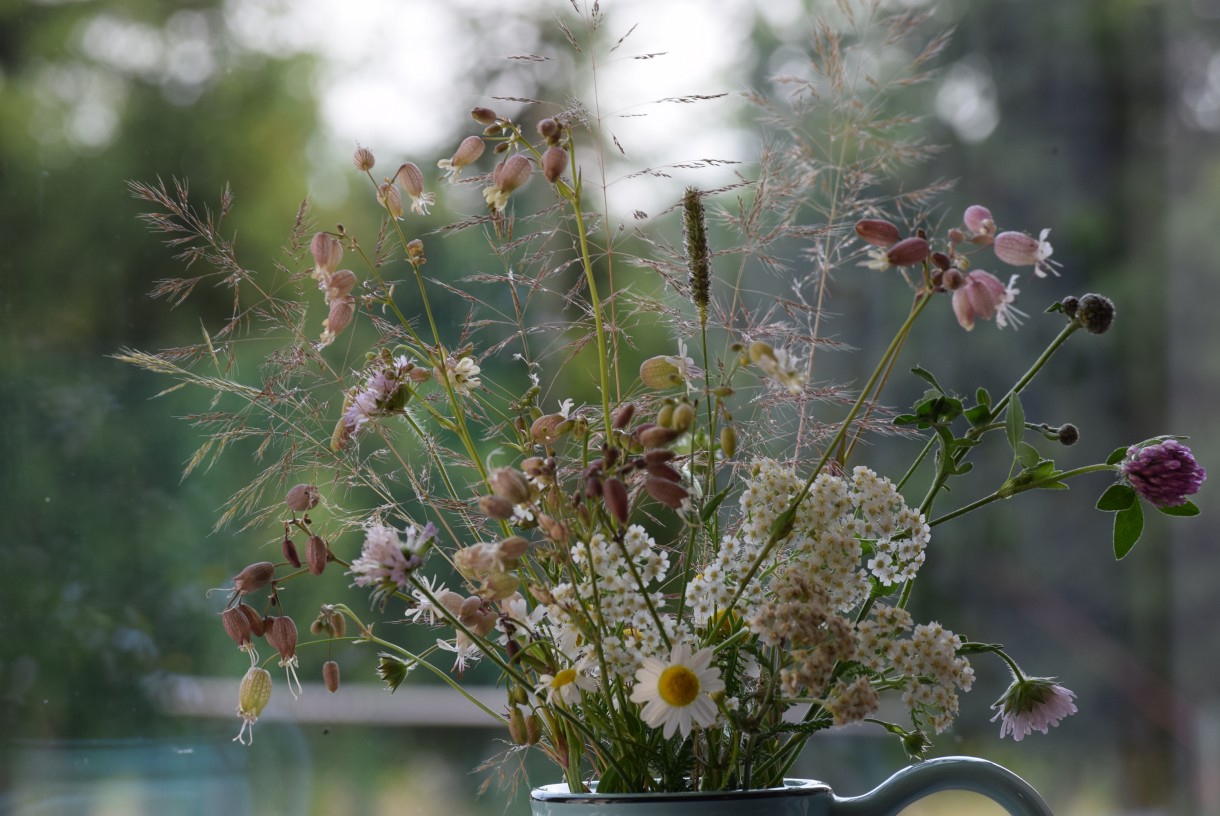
(682, 580)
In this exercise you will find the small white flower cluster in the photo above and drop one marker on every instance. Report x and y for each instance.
(608, 569)
(852, 702)
(935, 670)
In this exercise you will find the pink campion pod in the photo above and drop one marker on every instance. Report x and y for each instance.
(622, 417)
(509, 175)
(302, 497)
(340, 285)
(389, 197)
(363, 159)
(412, 181)
(977, 219)
(495, 507)
(908, 251)
(658, 457)
(941, 261)
(327, 251)
(664, 471)
(330, 675)
(316, 554)
(282, 635)
(289, 548)
(257, 627)
(468, 152)
(512, 548)
(510, 483)
(554, 162)
(655, 436)
(877, 232)
(668, 493)
(338, 318)
(236, 626)
(614, 494)
(549, 129)
(1019, 249)
(256, 576)
(982, 295)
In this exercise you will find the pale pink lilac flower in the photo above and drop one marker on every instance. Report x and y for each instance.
(387, 557)
(1032, 704)
(378, 395)
(983, 296)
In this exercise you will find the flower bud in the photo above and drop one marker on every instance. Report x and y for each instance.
(661, 372)
(255, 576)
(552, 529)
(327, 251)
(877, 232)
(1068, 434)
(340, 316)
(511, 484)
(512, 548)
(554, 162)
(316, 554)
(389, 197)
(1095, 313)
(484, 116)
(665, 416)
(289, 548)
(668, 493)
(302, 497)
(330, 675)
(549, 129)
(614, 494)
(516, 726)
(978, 220)
(1069, 305)
(533, 729)
(363, 159)
(908, 251)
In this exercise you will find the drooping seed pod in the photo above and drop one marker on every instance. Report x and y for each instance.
(533, 729)
(668, 493)
(316, 554)
(511, 484)
(468, 152)
(622, 417)
(256, 576)
(340, 285)
(484, 116)
(327, 251)
(338, 318)
(389, 197)
(663, 471)
(495, 507)
(330, 675)
(282, 635)
(237, 626)
(516, 726)
(614, 494)
(908, 251)
(554, 162)
(302, 497)
(289, 548)
(549, 129)
(877, 232)
(656, 436)
(257, 627)
(252, 697)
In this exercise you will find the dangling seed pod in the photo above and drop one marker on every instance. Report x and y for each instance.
(257, 627)
(252, 697)
(256, 576)
(236, 625)
(684, 417)
(877, 232)
(282, 635)
(614, 494)
(289, 548)
(554, 162)
(495, 507)
(330, 675)
(316, 554)
(622, 417)
(510, 484)
(728, 441)
(668, 493)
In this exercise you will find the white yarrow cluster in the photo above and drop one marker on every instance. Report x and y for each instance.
(935, 671)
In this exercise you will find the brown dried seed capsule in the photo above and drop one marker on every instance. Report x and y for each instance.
(255, 576)
(908, 251)
(484, 116)
(510, 484)
(330, 675)
(282, 635)
(236, 625)
(290, 552)
(338, 624)
(500, 509)
(656, 436)
(554, 162)
(316, 554)
(257, 626)
(877, 232)
(664, 471)
(614, 494)
(659, 456)
(666, 492)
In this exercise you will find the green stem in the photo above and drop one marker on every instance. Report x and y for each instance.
(1004, 494)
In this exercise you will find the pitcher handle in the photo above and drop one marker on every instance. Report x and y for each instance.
(997, 783)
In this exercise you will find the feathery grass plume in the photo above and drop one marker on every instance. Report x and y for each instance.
(698, 256)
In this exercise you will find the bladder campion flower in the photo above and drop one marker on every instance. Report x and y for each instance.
(252, 697)
(1019, 249)
(468, 152)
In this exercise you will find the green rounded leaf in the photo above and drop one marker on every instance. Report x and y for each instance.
(1117, 497)
(1187, 509)
(1128, 525)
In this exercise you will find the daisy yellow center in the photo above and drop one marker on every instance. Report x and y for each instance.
(678, 686)
(563, 678)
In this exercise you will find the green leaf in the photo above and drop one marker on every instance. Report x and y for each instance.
(924, 374)
(1027, 454)
(1187, 509)
(978, 415)
(1128, 525)
(1015, 422)
(983, 397)
(709, 509)
(1119, 455)
(1117, 497)
(905, 419)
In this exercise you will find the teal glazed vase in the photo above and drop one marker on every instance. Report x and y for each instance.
(799, 797)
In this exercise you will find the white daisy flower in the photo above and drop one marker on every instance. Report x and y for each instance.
(566, 685)
(674, 693)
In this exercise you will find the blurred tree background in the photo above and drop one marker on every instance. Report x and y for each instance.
(1097, 118)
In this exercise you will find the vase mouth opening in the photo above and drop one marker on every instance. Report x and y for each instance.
(558, 793)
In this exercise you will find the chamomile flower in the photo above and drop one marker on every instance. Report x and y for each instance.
(675, 692)
(566, 685)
